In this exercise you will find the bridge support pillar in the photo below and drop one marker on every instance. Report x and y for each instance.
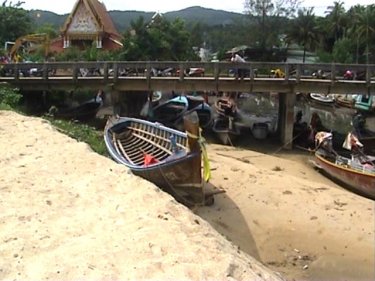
(286, 118)
(115, 100)
(128, 103)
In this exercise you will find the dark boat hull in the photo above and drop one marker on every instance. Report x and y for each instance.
(82, 112)
(174, 177)
(360, 181)
(171, 112)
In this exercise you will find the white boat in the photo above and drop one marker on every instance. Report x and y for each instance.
(322, 98)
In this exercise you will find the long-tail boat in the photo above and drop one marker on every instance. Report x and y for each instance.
(356, 172)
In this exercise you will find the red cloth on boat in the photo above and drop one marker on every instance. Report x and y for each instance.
(149, 159)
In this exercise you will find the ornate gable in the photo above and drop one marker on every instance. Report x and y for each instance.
(83, 21)
(90, 21)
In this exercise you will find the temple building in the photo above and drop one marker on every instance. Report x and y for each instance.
(89, 23)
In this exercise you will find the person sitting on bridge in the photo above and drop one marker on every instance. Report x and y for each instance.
(239, 72)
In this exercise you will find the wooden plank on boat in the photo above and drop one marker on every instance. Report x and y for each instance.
(157, 145)
(124, 152)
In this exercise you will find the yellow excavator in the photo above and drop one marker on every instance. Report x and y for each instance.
(29, 43)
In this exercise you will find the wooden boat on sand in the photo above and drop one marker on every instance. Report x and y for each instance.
(358, 177)
(357, 172)
(169, 158)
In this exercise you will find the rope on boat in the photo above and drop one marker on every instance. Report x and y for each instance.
(206, 162)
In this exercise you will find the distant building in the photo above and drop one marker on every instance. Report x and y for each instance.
(88, 23)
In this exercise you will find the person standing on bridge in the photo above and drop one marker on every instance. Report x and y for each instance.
(239, 72)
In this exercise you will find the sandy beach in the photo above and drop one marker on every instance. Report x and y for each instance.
(68, 213)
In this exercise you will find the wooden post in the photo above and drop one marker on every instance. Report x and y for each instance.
(191, 125)
(115, 99)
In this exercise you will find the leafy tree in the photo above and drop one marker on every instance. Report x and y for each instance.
(364, 28)
(49, 29)
(266, 13)
(9, 97)
(14, 21)
(303, 30)
(342, 51)
(197, 34)
(157, 40)
(355, 27)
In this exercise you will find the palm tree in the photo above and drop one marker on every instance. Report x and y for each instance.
(336, 16)
(367, 26)
(303, 30)
(354, 27)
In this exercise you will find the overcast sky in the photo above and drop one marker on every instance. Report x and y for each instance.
(65, 6)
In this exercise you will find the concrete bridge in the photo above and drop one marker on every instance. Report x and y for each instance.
(139, 76)
(120, 78)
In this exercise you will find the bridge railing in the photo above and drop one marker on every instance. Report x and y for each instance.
(182, 70)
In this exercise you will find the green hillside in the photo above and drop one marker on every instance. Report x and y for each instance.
(122, 19)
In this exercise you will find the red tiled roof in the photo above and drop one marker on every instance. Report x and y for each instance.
(103, 17)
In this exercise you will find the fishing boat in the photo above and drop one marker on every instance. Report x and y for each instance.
(322, 99)
(82, 112)
(367, 139)
(365, 103)
(156, 97)
(355, 172)
(225, 124)
(345, 100)
(169, 158)
(226, 130)
(171, 112)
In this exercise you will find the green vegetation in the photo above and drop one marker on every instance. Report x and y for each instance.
(9, 97)
(157, 40)
(14, 21)
(82, 133)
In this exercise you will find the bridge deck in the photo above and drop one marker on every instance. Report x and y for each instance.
(137, 76)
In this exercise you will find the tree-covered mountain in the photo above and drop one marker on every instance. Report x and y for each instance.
(122, 19)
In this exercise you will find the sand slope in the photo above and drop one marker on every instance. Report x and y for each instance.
(67, 213)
